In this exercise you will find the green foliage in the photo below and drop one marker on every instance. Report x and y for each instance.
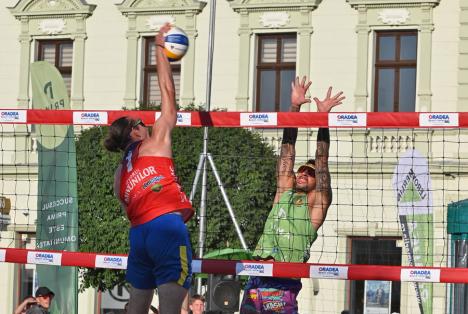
(245, 164)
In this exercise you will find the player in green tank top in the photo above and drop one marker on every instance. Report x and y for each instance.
(299, 209)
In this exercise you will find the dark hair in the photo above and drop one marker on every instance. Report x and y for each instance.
(197, 297)
(118, 137)
(311, 161)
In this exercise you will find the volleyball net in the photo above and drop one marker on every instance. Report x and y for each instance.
(399, 182)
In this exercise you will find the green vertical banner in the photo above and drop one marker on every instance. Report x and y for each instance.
(57, 216)
(412, 185)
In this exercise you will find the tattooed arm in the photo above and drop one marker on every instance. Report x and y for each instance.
(285, 177)
(323, 191)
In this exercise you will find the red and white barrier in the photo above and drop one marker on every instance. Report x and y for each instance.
(246, 119)
(250, 268)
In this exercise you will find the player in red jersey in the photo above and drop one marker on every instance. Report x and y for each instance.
(146, 185)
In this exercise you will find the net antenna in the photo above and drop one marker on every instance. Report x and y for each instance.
(205, 155)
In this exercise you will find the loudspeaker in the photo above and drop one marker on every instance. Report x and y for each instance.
(223, 294)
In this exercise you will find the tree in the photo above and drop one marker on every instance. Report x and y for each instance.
(244, 162)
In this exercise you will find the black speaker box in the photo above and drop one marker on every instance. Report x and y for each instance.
(223, 294)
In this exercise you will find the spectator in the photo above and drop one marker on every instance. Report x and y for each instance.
(44, 297)
(197, 304)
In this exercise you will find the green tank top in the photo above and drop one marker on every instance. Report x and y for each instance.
(288, 232)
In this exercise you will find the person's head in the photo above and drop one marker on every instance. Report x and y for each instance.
(197, 304)
(305, 177)
(123, 132)
(44, 297)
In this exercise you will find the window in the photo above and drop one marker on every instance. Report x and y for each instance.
(395, 71)
(60, 54)
(151, 92)
(26, 272)
(374, 251)
(276, 69)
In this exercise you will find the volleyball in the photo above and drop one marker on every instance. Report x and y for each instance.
(176, 43)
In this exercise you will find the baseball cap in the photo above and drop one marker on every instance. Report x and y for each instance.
(43, 291)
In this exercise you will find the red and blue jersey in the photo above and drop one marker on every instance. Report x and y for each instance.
(149, 187)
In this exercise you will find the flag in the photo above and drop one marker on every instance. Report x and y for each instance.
(57, 207)
(412, 186)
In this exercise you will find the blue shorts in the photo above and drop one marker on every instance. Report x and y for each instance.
(160, 252)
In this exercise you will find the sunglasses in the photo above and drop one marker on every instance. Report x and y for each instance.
(136, 123)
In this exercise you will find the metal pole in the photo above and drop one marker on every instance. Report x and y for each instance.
(228, 204)
(202, 223)
(209, 73)
(197, 176)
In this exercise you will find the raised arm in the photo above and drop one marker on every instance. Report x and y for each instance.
(162, 128)
(285, 177)
(20, 309)
(323, 195)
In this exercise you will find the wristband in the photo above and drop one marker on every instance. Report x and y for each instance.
(323, 135)
(289, 136)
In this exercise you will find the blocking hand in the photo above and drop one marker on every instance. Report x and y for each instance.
(298, 93)
(329, 102)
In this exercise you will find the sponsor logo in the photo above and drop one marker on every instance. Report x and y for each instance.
(258, 119)
(114, 262)
(438, 119)
(90, 117)
(253, 269)
(15, 116)
(153, 180)
(420, 275)
(444, 118)
(256, 268)
(10, 115)
(157, 187)
(347, 119)
(46, 258)
(329, 271)
(2, 255)
(262, 117)
(412, 190)
(183, 118)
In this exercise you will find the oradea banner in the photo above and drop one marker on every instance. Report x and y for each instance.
(57, 215)
(412, 185)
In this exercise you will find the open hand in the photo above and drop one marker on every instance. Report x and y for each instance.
(298, 92)
(160, 34)
(329, 102)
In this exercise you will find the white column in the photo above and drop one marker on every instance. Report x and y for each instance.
(242, 98)
(132, 50)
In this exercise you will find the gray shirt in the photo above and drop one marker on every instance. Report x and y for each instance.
(37, 309)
